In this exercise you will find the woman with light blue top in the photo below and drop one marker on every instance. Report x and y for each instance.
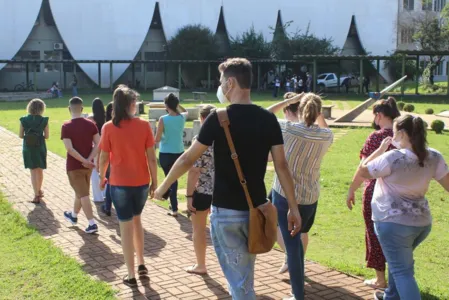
(170, 132)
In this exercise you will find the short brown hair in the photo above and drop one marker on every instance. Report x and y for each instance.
(310, 108)
(387, 107)
(36, 107)
(206, 110)
(75, 101)
(239, 68)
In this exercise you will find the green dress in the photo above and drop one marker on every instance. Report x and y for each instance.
(35, 157)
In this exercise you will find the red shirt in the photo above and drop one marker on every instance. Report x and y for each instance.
(127, 147)
(81, 132)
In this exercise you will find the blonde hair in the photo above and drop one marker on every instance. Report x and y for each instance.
(206, 110)
(36, 107)
(310, 108)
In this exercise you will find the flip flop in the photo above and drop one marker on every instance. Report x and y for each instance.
(372, 283)
(191, 271)
(36, 200)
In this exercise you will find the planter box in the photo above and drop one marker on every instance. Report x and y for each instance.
(160, 93)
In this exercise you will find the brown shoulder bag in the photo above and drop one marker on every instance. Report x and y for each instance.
(263, 220)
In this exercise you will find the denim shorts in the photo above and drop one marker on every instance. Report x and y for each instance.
(129, 201)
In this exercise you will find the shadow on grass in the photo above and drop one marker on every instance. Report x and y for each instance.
(43, 219)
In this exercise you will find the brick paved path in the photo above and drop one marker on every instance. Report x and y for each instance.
(168, 246)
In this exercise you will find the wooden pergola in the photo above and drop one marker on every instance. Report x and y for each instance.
(309, 59)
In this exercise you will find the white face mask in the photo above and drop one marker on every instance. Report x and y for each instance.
(221, 96)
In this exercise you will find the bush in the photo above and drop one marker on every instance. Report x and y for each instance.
(409, 107)
(429, 111)
(426, 125)
(401, 105)
(437, 126)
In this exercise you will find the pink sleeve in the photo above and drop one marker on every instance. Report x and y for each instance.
(380, 166)
(441, 169)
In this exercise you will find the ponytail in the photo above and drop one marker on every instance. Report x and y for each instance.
(417, 134)
(419, 140)
(310, 108)
(387, 107)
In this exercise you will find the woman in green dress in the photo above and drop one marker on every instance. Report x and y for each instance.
(34, 131)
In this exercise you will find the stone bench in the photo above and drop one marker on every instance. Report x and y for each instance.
(327, 111)
(155, 112)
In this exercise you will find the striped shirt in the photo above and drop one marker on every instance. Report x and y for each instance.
(305, 148)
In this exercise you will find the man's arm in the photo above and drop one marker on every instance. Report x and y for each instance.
(72, 152)
(95, 150)
(181, 166)
(284, 175)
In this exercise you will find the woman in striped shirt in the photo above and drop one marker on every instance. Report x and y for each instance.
(305, 146)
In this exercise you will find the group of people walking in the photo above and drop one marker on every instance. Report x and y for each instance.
(395, 209)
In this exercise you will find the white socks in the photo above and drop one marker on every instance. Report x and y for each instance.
(74, 215)
(91, 222)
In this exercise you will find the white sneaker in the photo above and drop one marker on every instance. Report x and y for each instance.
(284, 268)
(290, 298)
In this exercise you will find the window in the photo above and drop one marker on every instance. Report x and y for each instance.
(322, 76)
(409, 4)
(52, 55)
(330, 77)
(407, 35)
(21, 67)
(155, 67)
(426, 4)
(438, 5)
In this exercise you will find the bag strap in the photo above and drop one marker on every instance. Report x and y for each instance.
(223, 118)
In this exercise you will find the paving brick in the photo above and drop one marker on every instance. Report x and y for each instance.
(168, 243)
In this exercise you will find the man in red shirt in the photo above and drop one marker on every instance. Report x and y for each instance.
(81, 139)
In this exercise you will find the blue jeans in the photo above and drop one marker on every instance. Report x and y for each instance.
(129, 201)
(293, 246)
(167, 160)
(229, 233)
(108, 202)
(398, 242)
(74, 91)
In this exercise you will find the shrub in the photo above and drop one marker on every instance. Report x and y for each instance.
(437, 126)
(429, 111)
(401, 105)
(426, 125)
(409, 107)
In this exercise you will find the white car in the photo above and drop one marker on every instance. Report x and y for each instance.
(329, 80)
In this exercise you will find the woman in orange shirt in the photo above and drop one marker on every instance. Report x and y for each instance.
(127, 144)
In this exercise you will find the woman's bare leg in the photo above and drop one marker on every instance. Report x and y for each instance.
(199, 220)
(126, 232)
(138, 240)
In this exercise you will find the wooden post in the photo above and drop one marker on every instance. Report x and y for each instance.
(417, 76)
(99, 75)
(208, 76)
(361, 77)
(27, 76)
(65, 75)
(315, 71)
(447, 72)
(133, 76)
(403, 74)
(35, 77)
(111, 84)
(258, 76)
(179, 76)
(145, 76)
(378, 76)
(338, 76)
(165, 74)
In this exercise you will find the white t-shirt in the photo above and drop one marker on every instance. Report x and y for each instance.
(399, 194)
(278, 83)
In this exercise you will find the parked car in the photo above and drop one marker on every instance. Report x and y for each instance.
(329, 80)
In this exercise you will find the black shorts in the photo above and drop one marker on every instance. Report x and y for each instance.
(308, 213)
(201, 202)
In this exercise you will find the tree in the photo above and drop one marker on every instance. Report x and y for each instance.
(193, 42)
(251, 45)
(285, 46)
(431, 33)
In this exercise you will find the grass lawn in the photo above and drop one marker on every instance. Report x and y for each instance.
(337, 239)
(32, 268)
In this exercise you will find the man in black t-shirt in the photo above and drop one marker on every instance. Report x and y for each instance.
(256, 133)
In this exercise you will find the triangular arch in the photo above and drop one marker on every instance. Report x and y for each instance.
(222, 35)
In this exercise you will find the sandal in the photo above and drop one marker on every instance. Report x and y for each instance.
(191, 270)
(372, 283)
(36, 200)
(129, 282)
(142, 270)
(41, 194)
